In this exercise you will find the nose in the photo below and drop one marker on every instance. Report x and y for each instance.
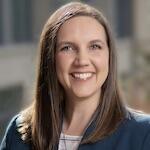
(82, 58)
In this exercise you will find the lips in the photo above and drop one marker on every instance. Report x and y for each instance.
(82, 75)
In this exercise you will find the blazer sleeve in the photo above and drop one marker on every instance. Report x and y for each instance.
(9, 135)
(146, 144)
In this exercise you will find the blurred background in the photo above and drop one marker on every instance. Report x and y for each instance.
(21, 22)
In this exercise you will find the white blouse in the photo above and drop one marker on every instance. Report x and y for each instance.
(69, 142)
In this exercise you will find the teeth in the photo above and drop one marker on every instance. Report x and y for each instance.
(83, 76)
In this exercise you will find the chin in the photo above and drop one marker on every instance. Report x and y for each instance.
(85, 94)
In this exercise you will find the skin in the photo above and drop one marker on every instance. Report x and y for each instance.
(81, 48)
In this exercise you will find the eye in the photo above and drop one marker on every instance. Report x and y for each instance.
(66, 48)
(95, 47)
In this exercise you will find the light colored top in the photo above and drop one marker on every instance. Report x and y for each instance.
(69, 142)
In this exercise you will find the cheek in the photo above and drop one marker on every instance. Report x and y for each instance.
(59, 67)
(62, 64)
(60, 61)
(102, 61)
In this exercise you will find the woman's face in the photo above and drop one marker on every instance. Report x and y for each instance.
(82, 57)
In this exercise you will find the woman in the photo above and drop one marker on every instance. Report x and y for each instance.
(77, 103)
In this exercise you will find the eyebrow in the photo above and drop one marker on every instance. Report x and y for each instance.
(98, 41)
(72, 43)
(64, 43)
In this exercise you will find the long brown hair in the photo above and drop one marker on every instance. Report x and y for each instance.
(45, 115)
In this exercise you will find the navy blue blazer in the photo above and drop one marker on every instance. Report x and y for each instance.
(132, 134)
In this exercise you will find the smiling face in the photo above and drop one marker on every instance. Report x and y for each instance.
(82, 57)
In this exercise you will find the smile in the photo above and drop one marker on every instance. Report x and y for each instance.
(82, 76)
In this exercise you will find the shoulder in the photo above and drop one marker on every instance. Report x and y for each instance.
(139, 119)
(137, 129)
(133, 133)
(12, 138)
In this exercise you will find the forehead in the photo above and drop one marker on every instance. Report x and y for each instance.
(83, 26)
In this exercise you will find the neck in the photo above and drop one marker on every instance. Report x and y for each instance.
(78, 114)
